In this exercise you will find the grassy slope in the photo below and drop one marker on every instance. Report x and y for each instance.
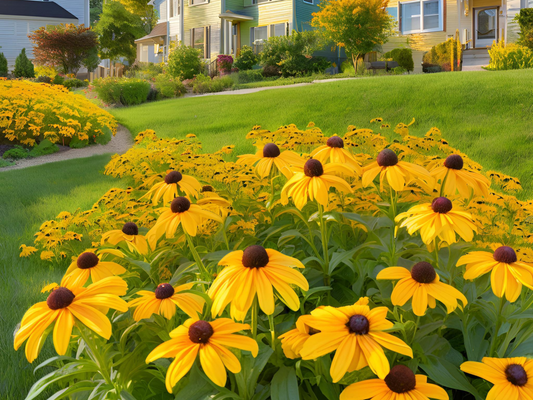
(28, 197)
(485, 114)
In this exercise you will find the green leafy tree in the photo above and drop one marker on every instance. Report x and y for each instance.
(95, 7)
(357, 25)
(3, 65)
(144, 10)
(525, 20)
(23, 66)
(246, 59)
(184, 62)
(118, 29)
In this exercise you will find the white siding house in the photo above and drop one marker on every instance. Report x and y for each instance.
(19, 18)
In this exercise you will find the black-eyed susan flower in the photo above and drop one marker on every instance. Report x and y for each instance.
(397, 173)
(164, 300)
(181, 212)
(69, 305)
(314, 182)
(269, 156)
(293, 341)
(253, 272)
(335, 152)
(423, 286)
(208, 341)
(438, 219)
(512, 377)
(507, 273)
(400, 384)
(88, 265)
(168, 189)
(129, 234)
(356, 335)
(456, 179)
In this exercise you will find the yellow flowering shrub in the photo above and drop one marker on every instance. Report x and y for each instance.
(31, 112)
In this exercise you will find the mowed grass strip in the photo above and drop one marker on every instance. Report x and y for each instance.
(487, 115)
(28, 197)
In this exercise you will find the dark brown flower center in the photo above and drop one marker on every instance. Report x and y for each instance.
(335, 141)
(130, 228)
(441, 205)
(400, 379)
(313, 168)
(454, 161)
(87, 260)
(271, 150)
(173, 177)
(516, 374)
(358, 324)
(59, 298)
(207, 188)
(200, 332)
(423, 272)
(387, 158)
(505, 254)
(180, 204)
(255, 257)
(164, 291)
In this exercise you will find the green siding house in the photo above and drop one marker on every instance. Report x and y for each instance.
(222, 26)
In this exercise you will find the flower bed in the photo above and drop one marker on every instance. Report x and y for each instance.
(320, 267)
(33, 112)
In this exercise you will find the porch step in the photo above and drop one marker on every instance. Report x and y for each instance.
(474, 60)
(476, 51)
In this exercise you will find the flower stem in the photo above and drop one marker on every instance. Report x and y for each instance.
(443, 183)
(324, 234)
(197, 259)
(498, 326)
(272, 330)
(102, 367)
(254, 318)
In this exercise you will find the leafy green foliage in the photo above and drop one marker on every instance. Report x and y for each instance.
(512, 56)
(525, 21)
(16, 153)
(169, 87)
(144, 70)
(294, 54)
(246, 59)
(125, 91)
(184, 62)
(3, 65)
(23, 66)
(441, 55)
(403, 56)
(43, 148)
(74, 83)
(204, 84)
(246, 76)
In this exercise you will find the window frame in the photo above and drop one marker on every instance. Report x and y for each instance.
(308, 2)
(205, 43)
(421, 15)
(200, 2)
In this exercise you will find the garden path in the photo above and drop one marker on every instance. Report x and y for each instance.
(120, 143)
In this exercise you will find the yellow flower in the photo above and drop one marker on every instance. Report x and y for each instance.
(270, 156)
(168, 189)
(47, 255)
(293, 341)
(208, 341)
(164, 300)
(507, 273)
(335, 152)
(356, 334)
(129, 234)
(314, 183)
(512, 377)
(88, 265)
(181, 211)
(456, 179)
(423, 285)
(400, 384)
(398, 174)
(26, 251)
(439, 218)
(67, 305)
(256, 271)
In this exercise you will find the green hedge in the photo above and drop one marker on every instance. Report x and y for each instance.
(125, 91)
(404, 58)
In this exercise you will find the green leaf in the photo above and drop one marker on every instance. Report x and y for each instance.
(284, 385)
(251, 368)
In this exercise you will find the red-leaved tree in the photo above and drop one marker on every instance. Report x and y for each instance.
(65, 46)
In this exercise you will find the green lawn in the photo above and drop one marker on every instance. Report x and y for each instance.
(485, 114)
(28, 197)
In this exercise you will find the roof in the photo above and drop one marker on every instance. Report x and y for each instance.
(233, 16)
(44, 9)
(159, 30)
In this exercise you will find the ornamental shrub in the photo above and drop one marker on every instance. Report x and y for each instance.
(247, 76)
(3, 66)
(224, 63)
(403, 56)
(205, 84)
(511, 56)
(122, 91)
(23, 66)
(169, 87)
(184, 62)
(246, 59)
(525, 21)
(32, 112)
(75, 83)
(43, 148)
(440, 55)
(43, 79)
(145, 70)
(16, 153)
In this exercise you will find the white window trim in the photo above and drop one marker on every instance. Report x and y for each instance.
(199, 4)
(308, 1)
(421, 15)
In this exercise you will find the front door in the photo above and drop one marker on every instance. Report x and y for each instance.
(485, 27)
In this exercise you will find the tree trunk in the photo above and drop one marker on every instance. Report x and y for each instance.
(354, 61)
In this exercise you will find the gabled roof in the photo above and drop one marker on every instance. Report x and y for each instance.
(43, 9)
(158, 31)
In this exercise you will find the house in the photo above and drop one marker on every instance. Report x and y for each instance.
(425, 23)
(18, 18)
(222, 26)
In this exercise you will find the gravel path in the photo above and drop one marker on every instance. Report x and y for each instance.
(120, 143)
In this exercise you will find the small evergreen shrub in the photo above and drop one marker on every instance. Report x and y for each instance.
(184, 62)
(23, 66)
(246, 59)
(58, 80)
(75, 83)
(525, 21)
(403, 56)
(16, 153)
(168, 87)
(3, 66)
(43, 148)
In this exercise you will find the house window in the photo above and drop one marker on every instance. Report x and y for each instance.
(198, 39)
(196, 2)
(174, 8)
(260, 34)
(526, 4)
(308, 1)
(279, 30)
(421, 16)
(259, 1)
